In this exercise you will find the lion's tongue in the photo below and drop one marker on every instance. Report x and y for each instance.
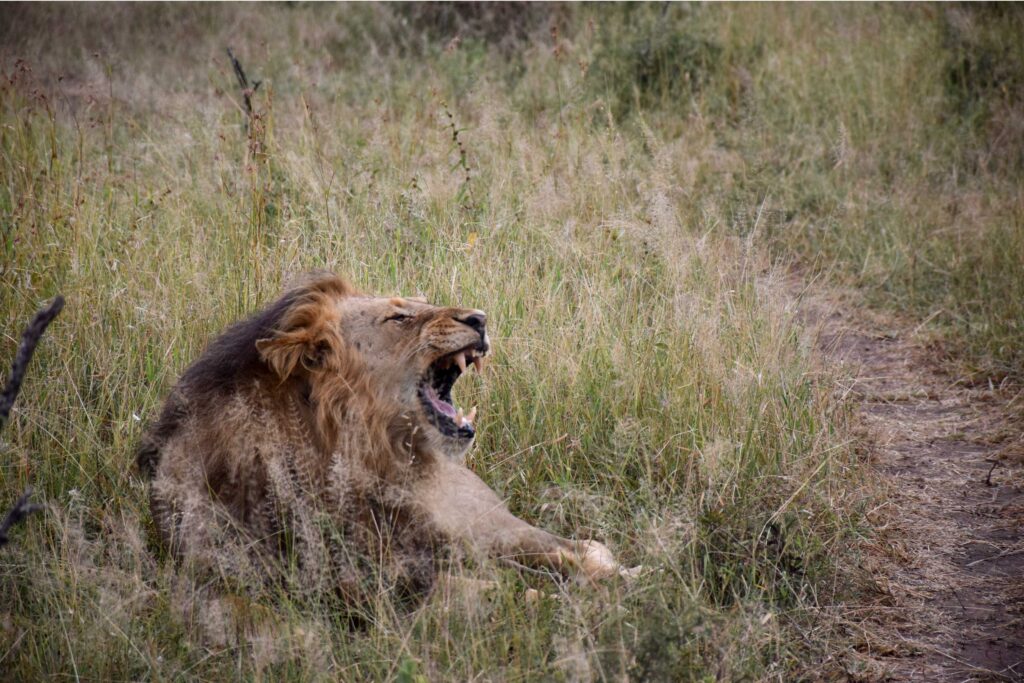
(441, 406)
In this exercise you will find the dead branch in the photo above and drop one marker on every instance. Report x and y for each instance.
(29, 340)
(243, 82)
(22, 509)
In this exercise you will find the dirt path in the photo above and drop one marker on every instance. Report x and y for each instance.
(948, 568)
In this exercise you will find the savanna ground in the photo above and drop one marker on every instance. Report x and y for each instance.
(628, 192)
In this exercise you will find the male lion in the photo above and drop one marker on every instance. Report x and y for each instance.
(333, 406)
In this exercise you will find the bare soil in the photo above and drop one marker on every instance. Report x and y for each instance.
(945, 566)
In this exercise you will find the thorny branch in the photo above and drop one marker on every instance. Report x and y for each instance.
(457, 143)
(243, 82)
(29, 340)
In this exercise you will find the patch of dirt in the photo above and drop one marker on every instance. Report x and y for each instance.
(946, 566)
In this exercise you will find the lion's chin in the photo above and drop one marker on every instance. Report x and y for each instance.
(454, 448)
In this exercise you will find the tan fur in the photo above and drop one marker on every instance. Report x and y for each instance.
(309, 411)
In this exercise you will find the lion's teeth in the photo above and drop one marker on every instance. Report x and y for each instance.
(472, 415)
(459, 418)
(460, 360)
(478, 362)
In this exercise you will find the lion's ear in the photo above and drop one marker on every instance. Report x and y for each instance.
(286, 352)
(307, 330)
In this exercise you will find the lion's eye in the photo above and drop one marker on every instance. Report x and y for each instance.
(398, 317)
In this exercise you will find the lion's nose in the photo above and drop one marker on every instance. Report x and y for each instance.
(477, 320)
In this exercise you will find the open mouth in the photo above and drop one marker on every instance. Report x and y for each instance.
(436, 391)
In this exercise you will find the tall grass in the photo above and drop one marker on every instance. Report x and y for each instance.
(887, 146)
(613, 186)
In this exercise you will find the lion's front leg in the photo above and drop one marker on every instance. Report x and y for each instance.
(461, 506)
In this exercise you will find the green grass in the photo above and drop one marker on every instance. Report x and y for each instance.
(637, 181)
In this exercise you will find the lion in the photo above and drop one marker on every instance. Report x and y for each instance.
(332, 409)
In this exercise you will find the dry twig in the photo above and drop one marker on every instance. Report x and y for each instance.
(988, 479)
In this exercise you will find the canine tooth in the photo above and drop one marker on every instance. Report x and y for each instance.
(460, 360)
(472, 415)
(459, 418)
(478, 362)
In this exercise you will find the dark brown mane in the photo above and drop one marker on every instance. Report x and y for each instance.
(229, 359)
(233, 355)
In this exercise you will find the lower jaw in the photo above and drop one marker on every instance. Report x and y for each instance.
(456, 433)
(444, 424)
(448, 430)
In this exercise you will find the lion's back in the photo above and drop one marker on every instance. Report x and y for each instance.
(227, 447)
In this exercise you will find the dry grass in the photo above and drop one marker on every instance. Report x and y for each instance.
(651, 387)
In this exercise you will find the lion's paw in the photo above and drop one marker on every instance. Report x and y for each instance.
(597, 563)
